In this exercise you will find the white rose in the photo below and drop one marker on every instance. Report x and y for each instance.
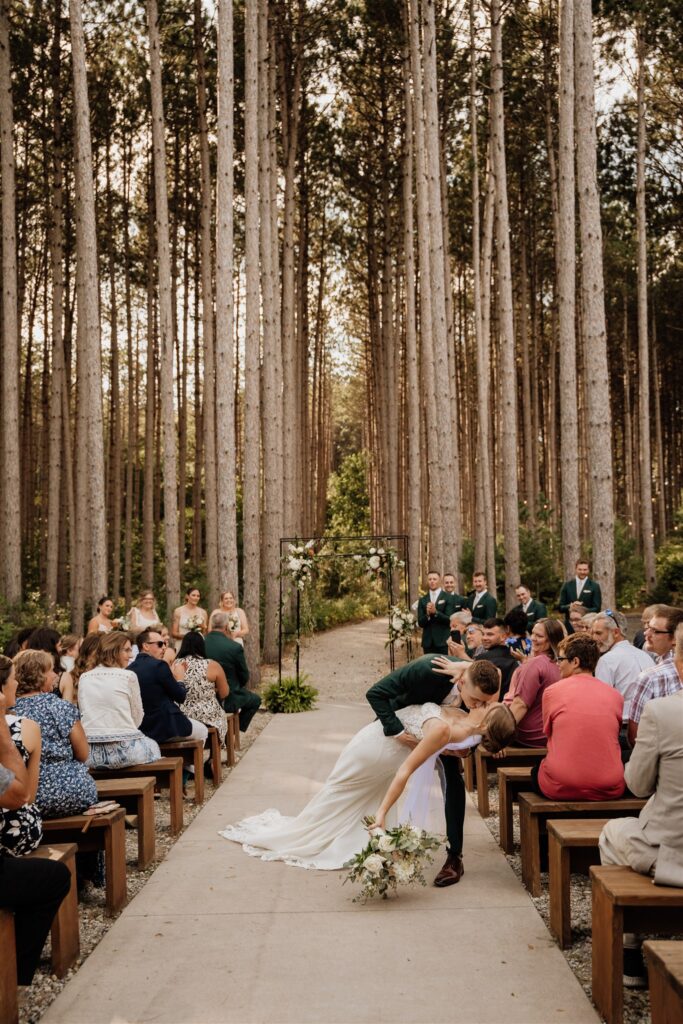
(397, 623)
(402, 872)
(380, 551)
(374, 562)
(372, 551)
(374, 864)
(386, 844)
(295, 564)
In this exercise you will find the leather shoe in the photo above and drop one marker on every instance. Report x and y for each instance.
(451, 872)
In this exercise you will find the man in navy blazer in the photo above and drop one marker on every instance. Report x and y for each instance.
(161, 693)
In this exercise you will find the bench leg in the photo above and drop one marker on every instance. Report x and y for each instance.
(66, 943)
(607, 957)
(230, 743)
(236, 730)
(175, 787)
(216, 771)
(468, 771)
(115, 867)
(505, 818)
(9, 1006)
(531, 849)
(198, 761)
(559, 868)
(666, 1006)
(482, 786)
(146, 840)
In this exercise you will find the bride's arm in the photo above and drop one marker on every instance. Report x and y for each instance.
(436, 736)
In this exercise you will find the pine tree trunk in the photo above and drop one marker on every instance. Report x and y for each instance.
(645, 446)
(115, 438)
(131, 418)
(505, 306)
(88, 305)
(599, 425)
(252, 434)
(170, 476)
(226, 447)
(150, 405)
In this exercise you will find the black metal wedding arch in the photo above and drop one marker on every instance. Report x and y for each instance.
(354, 546)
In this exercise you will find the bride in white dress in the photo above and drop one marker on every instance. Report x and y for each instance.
(371, 773)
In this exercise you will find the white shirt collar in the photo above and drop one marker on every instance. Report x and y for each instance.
(433, 594)
(580, 584)
(478, 597)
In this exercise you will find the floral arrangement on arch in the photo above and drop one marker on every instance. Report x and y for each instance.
(298, 564)
(392, 857)
(402, 625)
(380, 561)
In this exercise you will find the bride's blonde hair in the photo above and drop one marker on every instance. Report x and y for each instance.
(499, 728)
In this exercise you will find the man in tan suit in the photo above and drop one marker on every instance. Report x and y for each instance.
(652, 843)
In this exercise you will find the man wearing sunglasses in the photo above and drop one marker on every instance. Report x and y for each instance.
(620, 663)
(161, 694)
(662, 679)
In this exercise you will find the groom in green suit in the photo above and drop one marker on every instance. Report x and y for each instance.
(437, 681)
(582, 590)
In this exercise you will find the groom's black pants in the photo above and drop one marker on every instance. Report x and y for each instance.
(455, 803)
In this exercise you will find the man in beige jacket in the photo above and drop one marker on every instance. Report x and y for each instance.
(652, 843)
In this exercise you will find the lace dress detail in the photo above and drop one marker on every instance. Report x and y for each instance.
(20, 830)
(328, 832)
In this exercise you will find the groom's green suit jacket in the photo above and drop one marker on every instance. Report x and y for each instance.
(414, 683)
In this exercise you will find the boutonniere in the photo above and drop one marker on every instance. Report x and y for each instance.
(587, 590)
(441, 602)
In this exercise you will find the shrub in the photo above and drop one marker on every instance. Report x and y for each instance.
(670, 570)
(288, 696)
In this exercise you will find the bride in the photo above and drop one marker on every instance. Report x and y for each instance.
(371, 773)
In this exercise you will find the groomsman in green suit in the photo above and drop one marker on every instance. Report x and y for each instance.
(457, 601)
(434, 616)
(482, 604)
(582, 589)
(534, 610)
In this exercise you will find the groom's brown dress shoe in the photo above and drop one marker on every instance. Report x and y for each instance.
(451, 872)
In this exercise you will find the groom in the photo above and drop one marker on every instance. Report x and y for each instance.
(439, 680)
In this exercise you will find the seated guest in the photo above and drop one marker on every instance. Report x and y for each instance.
(30, 889)
(534, 610)
(169, 649)
(648, 613)
(515, 623)
(161, 692)
(65, 786)
(663, 678)
(474, 636)
(620, 662)
(18, 641)
(45, 639)
(205, 683)
(498, 652)
(581, 719)
(581, 589)
(111, 708)
(576, 619)
(222, 648)
(21, 827)
(652, 843)
(586, 623)
(531, 679)
(85, 660)
(68, 647)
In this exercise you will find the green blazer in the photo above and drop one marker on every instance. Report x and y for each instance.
(487, 607)
(414, 683)
(591, 597)
(435, 628)
(230, 656)
(536, 610)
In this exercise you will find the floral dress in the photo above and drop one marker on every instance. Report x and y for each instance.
(22, 829)
(66, 786)
(201, 702)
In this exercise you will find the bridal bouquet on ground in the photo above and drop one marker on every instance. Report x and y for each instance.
(393, 856)
(402, 625)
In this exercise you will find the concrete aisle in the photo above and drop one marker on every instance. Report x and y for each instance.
(217, 936)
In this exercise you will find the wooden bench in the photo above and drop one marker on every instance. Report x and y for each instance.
(572, 846)
(9, 1003)
(624, 901)
(485, 763)
(192, 753)
(511, 782)
(105, 832)
(168, 773)
(232, 737)
(665, 972)
(66, 943)
(534, 812)
(215, 756)
(137, 796)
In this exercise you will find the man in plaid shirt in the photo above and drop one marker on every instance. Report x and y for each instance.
(663, 636)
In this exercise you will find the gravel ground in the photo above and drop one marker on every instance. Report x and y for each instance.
(93, 923)
(578, 956)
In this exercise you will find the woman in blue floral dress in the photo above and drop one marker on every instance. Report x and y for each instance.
(65, 786)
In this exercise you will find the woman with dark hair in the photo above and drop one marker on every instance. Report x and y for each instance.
(65, 786)
(45, 639)
(204, 681)
(21, 829)
(531, 679)
(102, 622)
(18, 641)
(189, 616)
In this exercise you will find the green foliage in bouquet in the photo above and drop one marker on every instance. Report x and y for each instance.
(392, 857)
(288, 696)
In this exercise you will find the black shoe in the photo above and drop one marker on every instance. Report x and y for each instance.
(635, 972)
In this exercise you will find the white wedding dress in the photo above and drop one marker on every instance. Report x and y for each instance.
(329, 831)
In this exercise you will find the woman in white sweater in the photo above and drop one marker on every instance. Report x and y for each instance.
(111, 708)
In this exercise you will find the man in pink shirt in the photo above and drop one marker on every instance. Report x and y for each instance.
(582, 719)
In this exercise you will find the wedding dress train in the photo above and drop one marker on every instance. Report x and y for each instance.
(329, 831)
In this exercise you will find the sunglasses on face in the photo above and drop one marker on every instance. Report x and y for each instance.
(156, 643)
